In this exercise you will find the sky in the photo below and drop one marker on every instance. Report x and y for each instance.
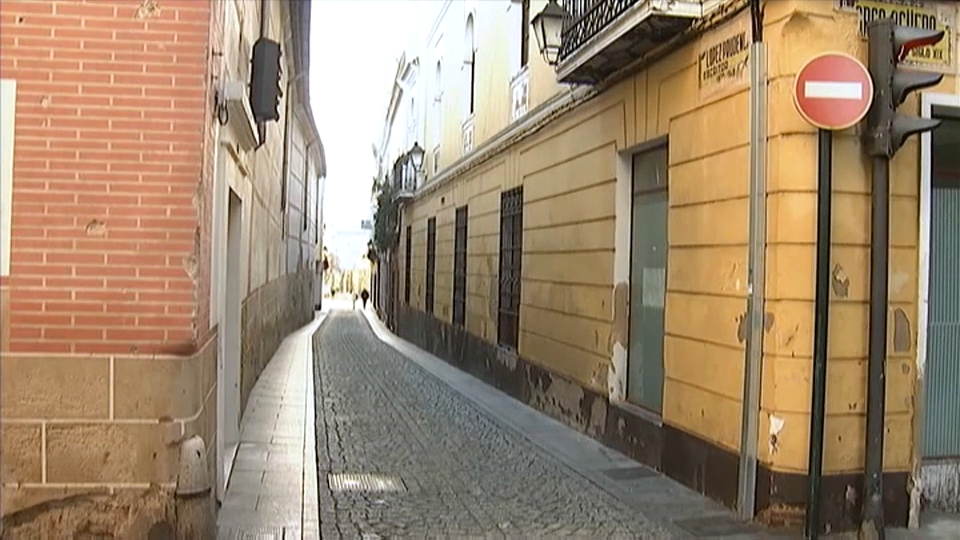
(354, 48)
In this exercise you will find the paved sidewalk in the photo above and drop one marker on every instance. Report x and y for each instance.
(272, 492)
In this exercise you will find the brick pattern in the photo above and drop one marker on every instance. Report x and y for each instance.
(110, 143)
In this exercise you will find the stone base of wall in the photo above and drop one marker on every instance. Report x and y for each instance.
(269, 315)
(91, 435)
(695, 462)
(129, 515)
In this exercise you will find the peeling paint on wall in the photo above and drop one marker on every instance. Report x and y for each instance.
(840, 282)
(566, 402)
(507, 357)
(621, 314)
(776, 426)
(901, 331)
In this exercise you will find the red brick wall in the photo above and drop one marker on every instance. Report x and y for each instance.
(109, 150)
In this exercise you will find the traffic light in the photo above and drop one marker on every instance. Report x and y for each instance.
(887, 129)
(265, 91)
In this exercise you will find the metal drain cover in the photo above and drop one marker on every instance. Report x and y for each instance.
(364, 482)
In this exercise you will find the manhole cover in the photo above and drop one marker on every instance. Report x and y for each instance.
(714, 526)
(630, 473)
(364, 482)
(255, 533)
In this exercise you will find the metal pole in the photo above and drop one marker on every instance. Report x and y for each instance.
(756, 274)
(821, 326)
(873, 521)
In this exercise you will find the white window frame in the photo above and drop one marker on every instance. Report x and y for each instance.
(8, 108)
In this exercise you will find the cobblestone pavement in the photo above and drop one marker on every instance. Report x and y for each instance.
(465, 476)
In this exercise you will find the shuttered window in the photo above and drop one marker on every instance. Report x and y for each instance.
(431, 278)
(511, 252)
(406, 267)
(460, 268)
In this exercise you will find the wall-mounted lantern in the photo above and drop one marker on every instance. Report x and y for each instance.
(416, 156)
(547, 27)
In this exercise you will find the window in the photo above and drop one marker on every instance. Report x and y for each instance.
(648, 269)
(524, 33)
(518, 15)
(431, 264)
(8, 102)
(406, 267)
(470, 64)
(511, 252)
(460, 268)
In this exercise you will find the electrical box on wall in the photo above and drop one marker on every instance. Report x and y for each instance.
(239, 116)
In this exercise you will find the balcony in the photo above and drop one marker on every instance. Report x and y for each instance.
(404, 178)
(600, 37)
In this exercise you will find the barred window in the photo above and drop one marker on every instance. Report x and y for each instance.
(431, 264)
(511, 252)
(460, 268)
(406, 267)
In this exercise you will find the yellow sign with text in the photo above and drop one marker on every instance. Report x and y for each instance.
(921, 14)
(724, 58)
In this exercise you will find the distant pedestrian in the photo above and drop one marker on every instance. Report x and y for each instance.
(364, 295)
(354, 300)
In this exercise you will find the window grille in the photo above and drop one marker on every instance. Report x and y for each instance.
(406, 267)
(431, 277)
(460, 268)
(511, 252)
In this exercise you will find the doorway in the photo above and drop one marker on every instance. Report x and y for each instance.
(228, 382)
(648, 267)
(939, 342)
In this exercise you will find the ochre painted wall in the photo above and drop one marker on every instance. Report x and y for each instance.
(798, 31)
(569, 172)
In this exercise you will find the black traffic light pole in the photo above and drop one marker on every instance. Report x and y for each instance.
(886, 132)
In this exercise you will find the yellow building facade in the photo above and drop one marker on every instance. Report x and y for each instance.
(613, 296)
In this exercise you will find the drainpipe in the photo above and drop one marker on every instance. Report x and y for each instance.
(756, 269)
(285, 172)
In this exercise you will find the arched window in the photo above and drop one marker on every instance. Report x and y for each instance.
(470, 64)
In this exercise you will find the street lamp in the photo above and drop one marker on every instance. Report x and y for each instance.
(547, 26)
(416, 156)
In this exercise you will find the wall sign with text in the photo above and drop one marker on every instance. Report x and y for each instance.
(724, 57)
(927, 14)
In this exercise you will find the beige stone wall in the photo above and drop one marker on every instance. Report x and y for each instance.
(269, 314)
(100, 423)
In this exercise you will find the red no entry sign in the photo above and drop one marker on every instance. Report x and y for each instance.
(833, 91)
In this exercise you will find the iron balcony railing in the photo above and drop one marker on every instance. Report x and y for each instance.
(585, 19)
(404, 178)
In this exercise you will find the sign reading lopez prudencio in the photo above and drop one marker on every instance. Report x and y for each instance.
(926, 14)
(724, 57)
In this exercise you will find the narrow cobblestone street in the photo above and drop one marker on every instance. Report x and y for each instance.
(442, 467)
